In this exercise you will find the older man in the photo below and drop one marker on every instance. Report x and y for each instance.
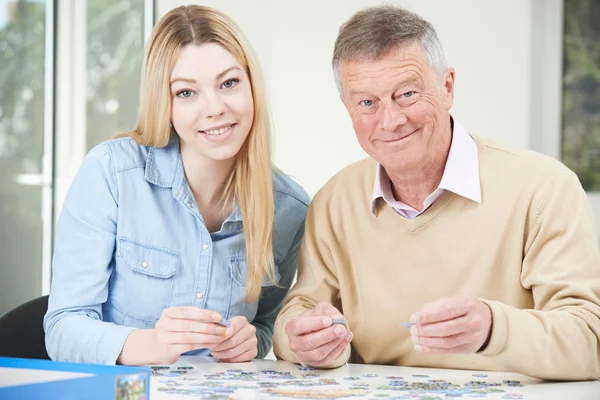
(492, 253)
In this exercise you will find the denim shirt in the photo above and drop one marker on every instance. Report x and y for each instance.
(130, 242)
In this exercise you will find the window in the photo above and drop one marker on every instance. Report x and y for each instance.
(64, 88)
(115, 47)
(24, 176)
(581, 91)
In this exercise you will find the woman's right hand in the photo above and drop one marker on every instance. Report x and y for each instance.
(179, 329)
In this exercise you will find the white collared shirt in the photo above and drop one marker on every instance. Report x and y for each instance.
(461, 176)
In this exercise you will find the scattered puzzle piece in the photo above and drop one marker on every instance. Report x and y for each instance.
(278, 383)
(224, 323)
(309, 394)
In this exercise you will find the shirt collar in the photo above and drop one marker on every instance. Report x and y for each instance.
(163, 164)
(461, 173)
(164, 168)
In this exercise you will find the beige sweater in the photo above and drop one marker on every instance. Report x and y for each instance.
(529, 250)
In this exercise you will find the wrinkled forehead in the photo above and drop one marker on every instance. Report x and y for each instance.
(389, 71)
(397, 57)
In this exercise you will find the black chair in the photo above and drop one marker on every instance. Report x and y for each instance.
(22, 330)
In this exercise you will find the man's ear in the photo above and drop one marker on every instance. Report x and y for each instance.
(448, 84)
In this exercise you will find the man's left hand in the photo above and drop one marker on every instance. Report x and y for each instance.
(451, 325)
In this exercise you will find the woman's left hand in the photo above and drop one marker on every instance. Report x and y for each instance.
(241, 344)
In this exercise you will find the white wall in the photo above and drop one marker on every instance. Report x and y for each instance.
(488, 42)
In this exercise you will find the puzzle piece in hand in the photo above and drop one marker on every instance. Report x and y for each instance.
(407, 324)
(224, 323)
(339, 321)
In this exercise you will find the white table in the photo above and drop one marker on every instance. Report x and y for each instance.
(372, 377)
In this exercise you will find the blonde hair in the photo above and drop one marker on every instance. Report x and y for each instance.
(250, 181)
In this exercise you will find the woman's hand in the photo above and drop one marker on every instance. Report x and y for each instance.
(179, 330)
(240, 344)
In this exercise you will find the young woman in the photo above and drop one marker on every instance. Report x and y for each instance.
(179, 236)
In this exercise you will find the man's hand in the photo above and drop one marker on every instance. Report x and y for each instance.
(240, 344)
(313, 338)
(451, 325)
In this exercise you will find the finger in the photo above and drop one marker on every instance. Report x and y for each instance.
(192, 338)
(247, 356)
(335, 353)
(443, 309)
(306, 324)
(463, 324)
(325, 308)
(246, 333)
(189, 325)
(447, 342)
(464, 349)
(315, 356)
(237, 323)
(314, 340)
(243, 347)
(193, 313)
(320, 353)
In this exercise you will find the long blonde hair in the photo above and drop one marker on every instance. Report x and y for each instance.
(250, 181)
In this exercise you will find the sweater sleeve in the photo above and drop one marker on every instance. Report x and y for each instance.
(317, 282)
(559, 337)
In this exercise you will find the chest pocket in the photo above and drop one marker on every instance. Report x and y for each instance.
(237, 274)
(143, 281)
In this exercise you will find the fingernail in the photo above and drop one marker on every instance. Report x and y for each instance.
(414, 331)
(340, 331)
(418, 347)
(414, 318)
(216, 317)
(350, 336)
(415, 339)
(327, 321)
(338, 316)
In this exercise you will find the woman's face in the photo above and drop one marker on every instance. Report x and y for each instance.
(212, 108)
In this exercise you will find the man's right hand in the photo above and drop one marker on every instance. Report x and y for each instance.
(313, 338)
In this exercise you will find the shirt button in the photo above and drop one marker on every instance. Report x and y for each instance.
(191, 205)
(204, 246)
(145, 264)
(178, 193)
(199, 296)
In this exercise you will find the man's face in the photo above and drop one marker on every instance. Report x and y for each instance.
(399, 108)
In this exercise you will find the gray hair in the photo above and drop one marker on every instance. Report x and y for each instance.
(373, 32)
